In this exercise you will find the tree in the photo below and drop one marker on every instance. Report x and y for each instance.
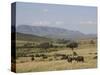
(92, 42)
(32, 58)
(45, 45)
(72, 45)
(63, 41)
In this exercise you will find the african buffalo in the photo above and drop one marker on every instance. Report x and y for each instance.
(75, 58)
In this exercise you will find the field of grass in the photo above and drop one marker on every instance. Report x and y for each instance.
(24, 64)
(53, 66)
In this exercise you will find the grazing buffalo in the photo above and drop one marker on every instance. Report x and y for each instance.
(80, 59)
(69, 59)
(75, 58)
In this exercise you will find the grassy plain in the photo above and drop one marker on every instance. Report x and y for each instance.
(24, 64)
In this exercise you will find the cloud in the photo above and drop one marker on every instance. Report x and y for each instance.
(47, 23)
(88, 23)
(41, 23)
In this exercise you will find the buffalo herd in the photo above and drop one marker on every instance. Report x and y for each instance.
(70, 58)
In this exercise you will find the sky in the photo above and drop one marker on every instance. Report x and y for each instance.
(76, 18)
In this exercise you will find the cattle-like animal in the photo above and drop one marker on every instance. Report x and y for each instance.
(69, 58)
(75, 58)
(80, 59)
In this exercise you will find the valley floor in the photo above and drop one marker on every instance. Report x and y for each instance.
(37, 66)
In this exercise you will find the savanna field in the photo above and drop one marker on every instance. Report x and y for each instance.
(52, 55)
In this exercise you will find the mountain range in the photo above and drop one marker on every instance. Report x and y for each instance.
(52, 32)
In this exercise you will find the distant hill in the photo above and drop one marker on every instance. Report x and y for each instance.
(52, 32)
(29, 37)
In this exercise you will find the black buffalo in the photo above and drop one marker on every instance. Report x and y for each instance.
(75, 58)
(79, 59)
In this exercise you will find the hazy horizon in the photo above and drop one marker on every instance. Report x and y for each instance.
(75, 18)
